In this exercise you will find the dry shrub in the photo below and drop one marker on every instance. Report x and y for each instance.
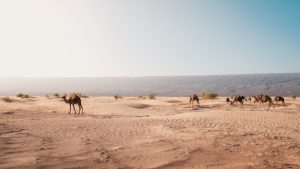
(152, 96)
(7, 99)
(80, 95)
(293, 97)
(117, 97)
(22, 95)
(26, 96)
(56, 94)
(208, 95)
(141, 97)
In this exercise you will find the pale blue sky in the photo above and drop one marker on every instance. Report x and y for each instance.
(148, 37)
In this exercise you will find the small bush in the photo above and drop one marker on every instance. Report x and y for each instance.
(117, 97)
(56, 94)
(80, 95)
(152, 96)
(7, 99)
(141, 97)
(84, 96)
(25, 96)
(20, 95)
(294, 97)
(208, 95)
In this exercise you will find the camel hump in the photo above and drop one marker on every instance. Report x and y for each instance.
(74, 97)
(194, 97)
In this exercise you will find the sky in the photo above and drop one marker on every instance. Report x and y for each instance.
(95, 38)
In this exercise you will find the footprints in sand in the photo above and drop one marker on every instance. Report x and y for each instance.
(102, 156)
(148, 134)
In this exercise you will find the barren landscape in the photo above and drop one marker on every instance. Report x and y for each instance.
(163, 133)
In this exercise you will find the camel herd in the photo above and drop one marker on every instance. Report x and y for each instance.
(75, 99)
(260, 99)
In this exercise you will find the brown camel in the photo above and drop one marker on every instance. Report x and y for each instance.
(239, 99)
(266, 98)
(229, 101)
(279, 99)
(249, 99)
(257, 99)
(74, 99)
(193, 98)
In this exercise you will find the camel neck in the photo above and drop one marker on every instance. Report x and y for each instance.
(67, 101)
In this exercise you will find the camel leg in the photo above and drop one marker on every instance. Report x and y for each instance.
(74, 108)
(81, 109)
(269, 105)
(70, 109)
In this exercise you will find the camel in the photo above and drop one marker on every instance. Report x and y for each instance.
(239, 99)
(229, 101)
(249, 99)
(74, 99)
(266, 98)
(257, 99)
(193, 98)
(279, 99)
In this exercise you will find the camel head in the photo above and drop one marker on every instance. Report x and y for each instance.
(64, 97)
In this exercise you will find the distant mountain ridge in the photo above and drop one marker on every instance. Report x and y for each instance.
(285, 84)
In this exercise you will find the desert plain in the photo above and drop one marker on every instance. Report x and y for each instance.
(133, 133)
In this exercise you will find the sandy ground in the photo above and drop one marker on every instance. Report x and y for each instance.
(134, 133)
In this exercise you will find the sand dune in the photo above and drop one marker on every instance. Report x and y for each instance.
(134, 133)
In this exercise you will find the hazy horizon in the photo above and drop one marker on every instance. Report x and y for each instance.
(141, 76)
(284, 84)
(111, 38)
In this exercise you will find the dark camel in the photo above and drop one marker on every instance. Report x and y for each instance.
(279, 99)
(229, 101)
(239, 99)
(265, 99)
(257, 99)
(74, 99)
(193, 98)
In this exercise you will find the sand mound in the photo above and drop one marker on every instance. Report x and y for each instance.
(174, 101)
(8, 113)
(139, 106)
